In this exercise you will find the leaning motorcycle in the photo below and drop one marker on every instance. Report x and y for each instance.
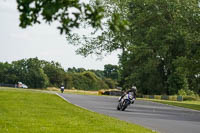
(125, 102)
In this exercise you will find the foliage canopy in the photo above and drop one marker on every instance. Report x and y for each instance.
(159, 39)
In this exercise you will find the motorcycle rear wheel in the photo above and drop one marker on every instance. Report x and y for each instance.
(124, 105)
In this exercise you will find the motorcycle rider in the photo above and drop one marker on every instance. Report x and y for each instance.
(132, 91)
(62, 88)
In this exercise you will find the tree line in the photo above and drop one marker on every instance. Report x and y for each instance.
(42, 74)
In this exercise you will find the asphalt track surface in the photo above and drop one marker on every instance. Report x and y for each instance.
(159, 117)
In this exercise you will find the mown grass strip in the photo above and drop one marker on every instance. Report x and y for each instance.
(185, 104)
(24, 111)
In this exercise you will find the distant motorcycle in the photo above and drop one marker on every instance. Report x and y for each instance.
(125, 102)
(62, 89)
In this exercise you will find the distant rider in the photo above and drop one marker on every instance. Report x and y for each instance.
(62, 88)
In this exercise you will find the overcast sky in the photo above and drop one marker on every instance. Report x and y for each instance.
(42, 41)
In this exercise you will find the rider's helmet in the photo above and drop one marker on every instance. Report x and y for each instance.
(134, 88)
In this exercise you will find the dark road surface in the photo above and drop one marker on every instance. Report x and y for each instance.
(156, 116)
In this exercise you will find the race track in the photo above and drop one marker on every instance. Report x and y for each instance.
(156, 116)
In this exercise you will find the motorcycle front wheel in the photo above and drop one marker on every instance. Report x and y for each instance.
(118, 106)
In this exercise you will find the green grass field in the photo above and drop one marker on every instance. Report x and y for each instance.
(24, 111)
(186, 104)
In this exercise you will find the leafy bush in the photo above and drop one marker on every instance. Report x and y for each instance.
(182, 92)
(111, 83)
(188, 95)
(87, 81)
(186, 92)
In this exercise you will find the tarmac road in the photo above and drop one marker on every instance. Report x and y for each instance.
(159, 117)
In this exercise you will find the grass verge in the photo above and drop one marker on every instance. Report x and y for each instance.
(23, 111)
(186, 104)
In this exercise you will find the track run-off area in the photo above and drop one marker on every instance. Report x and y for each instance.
(159, 117)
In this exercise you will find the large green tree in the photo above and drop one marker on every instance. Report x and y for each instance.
(165, 45)
(7, 73)
(55, 73)
(111, 71)
(30, 71)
